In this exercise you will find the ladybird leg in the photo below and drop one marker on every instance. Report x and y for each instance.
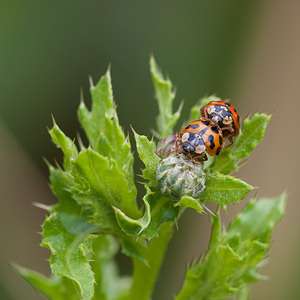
(230, 138)
(200, 157)
(205, 114)
(192, 158)
(229, 128)
(176, 144)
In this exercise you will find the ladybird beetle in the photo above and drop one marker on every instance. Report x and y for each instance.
(200, 136)
(225, 115)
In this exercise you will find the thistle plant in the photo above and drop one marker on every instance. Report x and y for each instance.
(97, 212)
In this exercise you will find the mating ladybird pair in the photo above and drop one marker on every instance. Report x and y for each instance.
(219, 121)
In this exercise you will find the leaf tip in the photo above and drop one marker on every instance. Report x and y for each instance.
(91, 82)
(53, 121)
(42, 206)
(108, 70)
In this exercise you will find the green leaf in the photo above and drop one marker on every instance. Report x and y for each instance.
(102, 186)
(165, 96)
(224, 189)
(252, 133)
(135, 248)
(74, 217)
(55, 287)
(110, 285)
(67, 145)
(131, 226)
(147, 155)
(234, 256)
(162, 211)
(102, 127)
(195, 110)
(224, 163)
(69, 254)
(258, 219)
(187, 201)
(158, 210)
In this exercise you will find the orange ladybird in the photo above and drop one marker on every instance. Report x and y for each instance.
(224, 115)
(198, 137)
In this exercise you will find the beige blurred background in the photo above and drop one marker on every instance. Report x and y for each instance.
(251, 55)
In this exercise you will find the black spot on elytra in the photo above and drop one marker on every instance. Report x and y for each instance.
(191, 136)
(203, 131)
(235, 110)
(211, 141)
(218, 151)
(220, 140)
(194, 126)
(214, 129)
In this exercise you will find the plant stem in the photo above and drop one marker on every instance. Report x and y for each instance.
(144, 276)
(243, 294)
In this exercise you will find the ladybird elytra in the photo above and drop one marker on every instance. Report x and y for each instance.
(224, 115)
(198, 137)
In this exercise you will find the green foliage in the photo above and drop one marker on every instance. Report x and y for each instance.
(55, 287)
(252, 133)
(147, 155)
(69, 254)
(224, 189)
(165, 96)
(233, 257)
(97, 209)
(102, 128)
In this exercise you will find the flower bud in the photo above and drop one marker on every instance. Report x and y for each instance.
(177, 176)
(166, 146)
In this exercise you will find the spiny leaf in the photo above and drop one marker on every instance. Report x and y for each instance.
(131, 226)
(258, 219)
(252, 133)
(224, 189)
(158, 210)
(67, 145)
(54, 287)
(102, 127)
(102, 186)
(69, 255)
(74, 217)
(147, 155)
(187, 201)
(165, 95)
(234, 256)
(162, 211)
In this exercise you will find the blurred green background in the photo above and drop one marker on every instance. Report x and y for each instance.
(244, 50)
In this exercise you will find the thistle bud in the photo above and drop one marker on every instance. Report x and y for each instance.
(166, 146)
(177, 176)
